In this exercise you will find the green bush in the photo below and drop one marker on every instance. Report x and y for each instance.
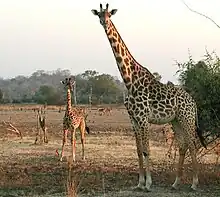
(202, 80)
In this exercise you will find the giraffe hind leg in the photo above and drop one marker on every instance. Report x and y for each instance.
(82, 131)
(188, 142)
(195, 182)
(193, 153)
(182, 152)
(179, 171)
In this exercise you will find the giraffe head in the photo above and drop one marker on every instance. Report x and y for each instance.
(104, 15)
(68, 82)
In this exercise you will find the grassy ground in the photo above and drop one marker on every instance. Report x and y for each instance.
(111, 166)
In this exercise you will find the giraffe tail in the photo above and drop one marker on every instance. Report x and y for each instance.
(87, 129)
(199, 131)
(201, 137)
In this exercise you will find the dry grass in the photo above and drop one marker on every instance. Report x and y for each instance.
(111, 166)
(25, 107)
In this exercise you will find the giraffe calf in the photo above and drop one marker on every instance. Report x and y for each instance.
(74, 118)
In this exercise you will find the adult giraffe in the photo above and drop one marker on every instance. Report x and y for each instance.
(150, 101)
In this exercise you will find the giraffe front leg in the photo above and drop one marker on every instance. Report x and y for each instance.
(146, 154)
(82, 131)
(139, 146)
(140, 160)
(65, 131)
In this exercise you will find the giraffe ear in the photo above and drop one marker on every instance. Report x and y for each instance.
(63, 82)
(95, 12)
(112, 12)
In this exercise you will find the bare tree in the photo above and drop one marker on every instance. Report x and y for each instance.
(201, 14)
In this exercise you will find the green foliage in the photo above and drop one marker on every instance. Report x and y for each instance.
(104, 88)
(48, 95)
(202, 80)
(88, 74)
(1, 96)
(45, 87)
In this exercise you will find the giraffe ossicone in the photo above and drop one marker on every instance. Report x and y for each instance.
(150, 101)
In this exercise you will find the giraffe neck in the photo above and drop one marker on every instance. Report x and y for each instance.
(68, 102)
(129, 68)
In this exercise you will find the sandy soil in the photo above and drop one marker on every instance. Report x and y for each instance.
(111, 166)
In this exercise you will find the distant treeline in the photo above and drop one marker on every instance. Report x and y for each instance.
(45, 87)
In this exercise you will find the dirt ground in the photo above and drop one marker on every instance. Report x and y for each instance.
(111, 166)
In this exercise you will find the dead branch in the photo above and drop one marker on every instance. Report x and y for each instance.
(201, 14)
(214, 149)
(12, 128)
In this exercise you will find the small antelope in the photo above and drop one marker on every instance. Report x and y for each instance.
(103, 111)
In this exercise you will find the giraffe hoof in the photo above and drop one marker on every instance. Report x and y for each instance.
(138, 188)
(147, 189)
(174, 188)
(193, 188)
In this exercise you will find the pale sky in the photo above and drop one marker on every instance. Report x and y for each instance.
(51, 34)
